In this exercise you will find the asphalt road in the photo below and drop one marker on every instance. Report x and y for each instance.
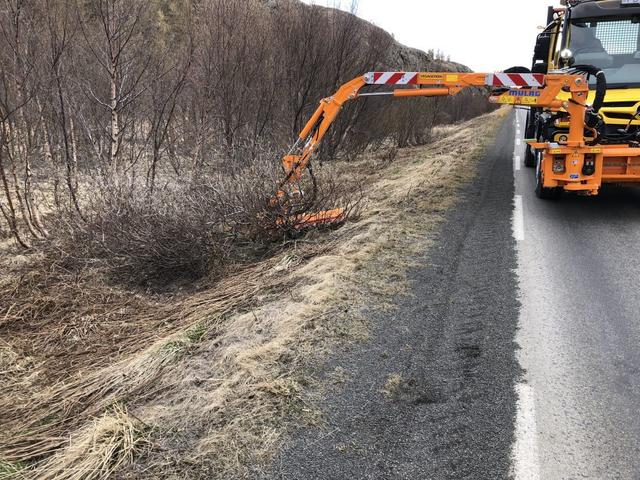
(579, 272)
(519, 350)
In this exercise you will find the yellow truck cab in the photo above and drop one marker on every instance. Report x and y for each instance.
(605, 34)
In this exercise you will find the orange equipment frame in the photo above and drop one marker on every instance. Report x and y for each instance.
(509, 89)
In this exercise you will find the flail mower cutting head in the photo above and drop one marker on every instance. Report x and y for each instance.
(292, 204)
(295, 208)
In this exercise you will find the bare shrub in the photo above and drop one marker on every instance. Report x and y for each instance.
(186, 231)
(163, 238)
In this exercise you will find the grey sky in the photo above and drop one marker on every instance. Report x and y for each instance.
(485, 35)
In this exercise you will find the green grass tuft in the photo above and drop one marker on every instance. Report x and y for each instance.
(9, 470)
(196, 333)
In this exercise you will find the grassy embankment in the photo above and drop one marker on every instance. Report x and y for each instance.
(204, 384)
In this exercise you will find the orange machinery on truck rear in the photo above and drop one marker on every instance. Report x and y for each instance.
(562, 166)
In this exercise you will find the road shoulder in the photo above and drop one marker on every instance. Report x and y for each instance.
(430, 394)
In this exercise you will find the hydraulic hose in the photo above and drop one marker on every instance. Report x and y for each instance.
(601, 84)
(592, 119)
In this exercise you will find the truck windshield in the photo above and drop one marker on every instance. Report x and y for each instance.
(612, 45)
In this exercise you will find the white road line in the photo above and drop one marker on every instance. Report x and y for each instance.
(525, 448)
(516, 162)
(518, 219)
(518, 141)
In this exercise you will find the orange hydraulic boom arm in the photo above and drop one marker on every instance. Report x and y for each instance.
(527, 89)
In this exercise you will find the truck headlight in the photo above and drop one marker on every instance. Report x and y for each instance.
(566, 54)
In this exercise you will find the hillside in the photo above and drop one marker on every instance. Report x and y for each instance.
(196, 90)
(157, 318)
(396, 56)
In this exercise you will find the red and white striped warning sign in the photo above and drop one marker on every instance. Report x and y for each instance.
(392, 78)
(515, 80)
(493, 79)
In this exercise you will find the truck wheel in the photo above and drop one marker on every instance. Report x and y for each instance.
(542, 192)
(529, 157)
(530, 132)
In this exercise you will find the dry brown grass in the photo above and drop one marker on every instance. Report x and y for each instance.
(225, 367)
(97, 450)
(40, 421)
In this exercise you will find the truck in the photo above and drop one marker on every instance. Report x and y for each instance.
(604, 34)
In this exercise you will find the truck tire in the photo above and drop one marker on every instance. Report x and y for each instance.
(542, 192)
(529, 157)
(530, 132)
